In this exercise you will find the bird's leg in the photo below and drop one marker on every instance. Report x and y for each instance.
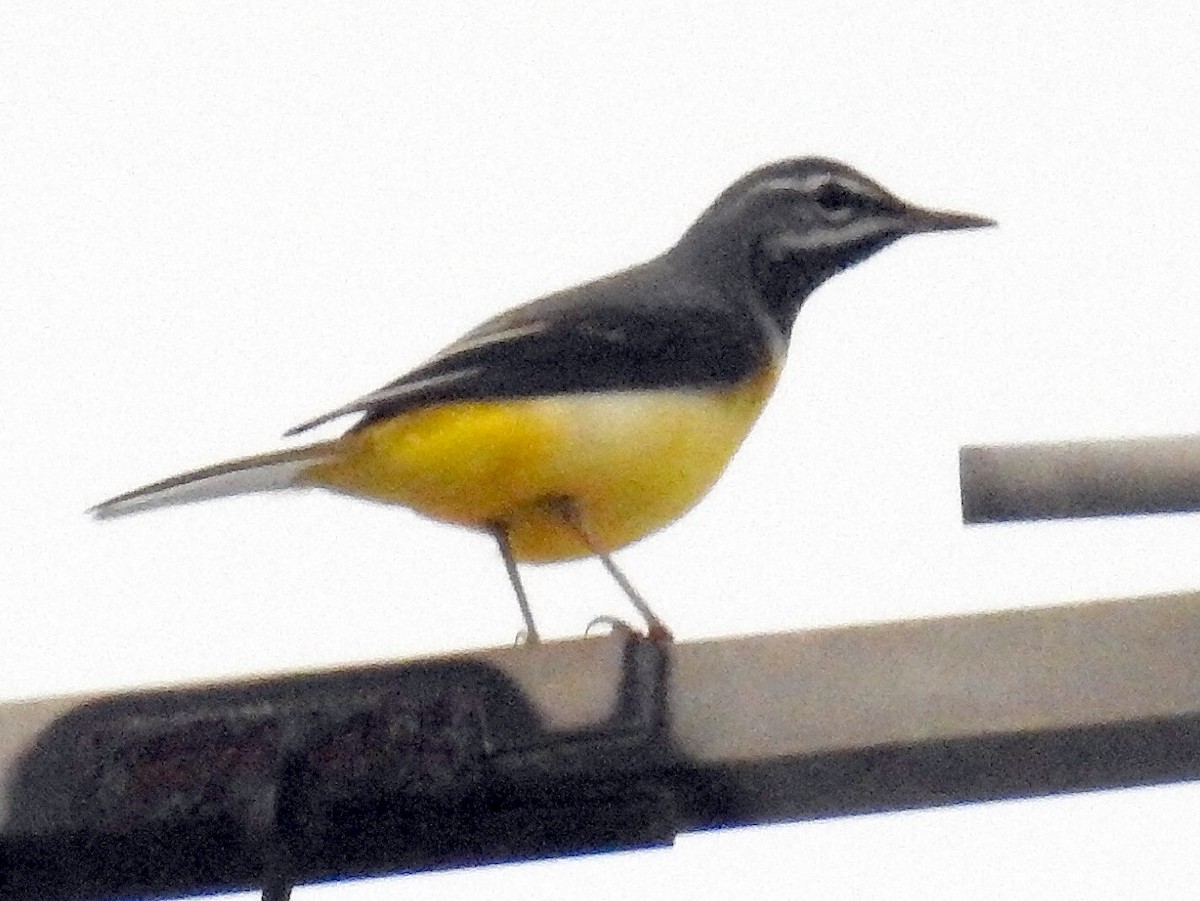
(656, 629)
(500, 532)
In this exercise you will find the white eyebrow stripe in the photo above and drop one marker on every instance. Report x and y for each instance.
(803, 185)
(810, 183)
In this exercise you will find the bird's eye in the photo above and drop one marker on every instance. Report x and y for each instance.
(834, 197)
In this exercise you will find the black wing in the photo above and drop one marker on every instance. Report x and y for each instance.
(629, 332)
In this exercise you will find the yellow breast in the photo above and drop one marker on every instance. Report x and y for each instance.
(632, 461)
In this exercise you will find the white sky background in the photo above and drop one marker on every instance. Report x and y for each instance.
(216, 222)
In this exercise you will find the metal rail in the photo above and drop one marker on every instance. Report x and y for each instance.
(588, 745)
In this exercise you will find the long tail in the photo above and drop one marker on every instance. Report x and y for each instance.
(264, 472)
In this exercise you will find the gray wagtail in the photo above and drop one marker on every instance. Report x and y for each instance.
(580, 422)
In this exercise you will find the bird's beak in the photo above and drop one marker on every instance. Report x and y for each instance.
(918, 220)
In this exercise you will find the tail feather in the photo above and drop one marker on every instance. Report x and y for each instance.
(263, 472)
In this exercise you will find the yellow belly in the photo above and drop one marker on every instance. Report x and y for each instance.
(631, 461)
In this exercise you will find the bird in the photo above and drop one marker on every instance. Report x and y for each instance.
(580, 422)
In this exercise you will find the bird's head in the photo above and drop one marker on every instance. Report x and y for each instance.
(784, 229)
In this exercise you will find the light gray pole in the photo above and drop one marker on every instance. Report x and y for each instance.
(1070, 479)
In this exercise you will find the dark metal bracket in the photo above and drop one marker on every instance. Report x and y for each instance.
(386, 769)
